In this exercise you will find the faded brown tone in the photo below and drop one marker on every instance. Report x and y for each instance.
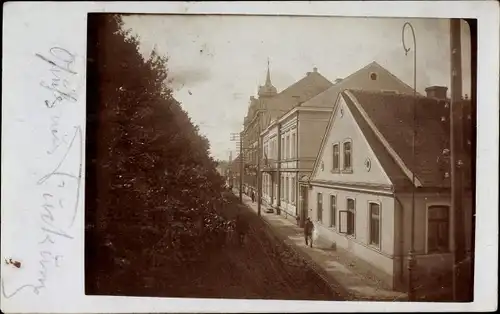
(366, 155)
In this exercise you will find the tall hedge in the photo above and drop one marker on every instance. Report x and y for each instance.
(155, 186)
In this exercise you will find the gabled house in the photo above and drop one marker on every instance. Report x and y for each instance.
(368, 172)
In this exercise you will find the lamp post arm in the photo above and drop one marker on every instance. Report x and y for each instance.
(411, 253)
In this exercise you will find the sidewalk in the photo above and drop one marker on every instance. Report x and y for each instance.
(335, 266)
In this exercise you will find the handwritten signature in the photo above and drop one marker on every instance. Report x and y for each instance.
(62, 185)
(61, 69)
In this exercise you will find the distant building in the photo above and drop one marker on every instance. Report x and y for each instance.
(268, 106)
(360, 190)
(234, 172)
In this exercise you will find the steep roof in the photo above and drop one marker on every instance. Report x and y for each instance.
(329, 96)
(309, 86)
(387, 122)
(301, 91)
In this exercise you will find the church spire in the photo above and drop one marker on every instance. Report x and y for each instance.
(268, 89)
(268, 77)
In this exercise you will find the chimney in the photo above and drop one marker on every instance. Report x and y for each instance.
(438, 92)
(315, 70)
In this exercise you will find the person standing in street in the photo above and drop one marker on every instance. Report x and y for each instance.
(253, 197)
(308, 231)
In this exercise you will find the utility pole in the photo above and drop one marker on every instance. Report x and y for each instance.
(241, 167)
(229, 172)
(278, 171)
(457, 162)
(239, 137)
(411, 253)
(259, 177)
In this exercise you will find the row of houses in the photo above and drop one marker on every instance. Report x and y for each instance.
(344, 154)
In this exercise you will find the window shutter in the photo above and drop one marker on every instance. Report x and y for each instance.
(343, 223)
(349, 222)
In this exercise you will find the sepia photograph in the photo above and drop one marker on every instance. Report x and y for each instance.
(280, 157)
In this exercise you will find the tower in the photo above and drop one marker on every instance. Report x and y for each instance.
(267, 90)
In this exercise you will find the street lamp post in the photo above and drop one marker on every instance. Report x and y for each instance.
(259, 173)
(238, 137)
(241, 167)
(411, 253)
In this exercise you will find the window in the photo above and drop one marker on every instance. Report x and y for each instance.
(294, 139)
(351, 208)
(263, 184)
(282, 148)
(287, 147)
(294, 186)
(438, 237)
(320, 207)
(336, 157)
(282, 187)
(287, 189)
(374, 224)
(275, 148)
(267, 185)
(373, 76)
(271, 149)
(347, 218)
(347, 155)
(333, 210)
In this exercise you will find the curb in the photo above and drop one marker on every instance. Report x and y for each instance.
(330, 280)
(335, 286)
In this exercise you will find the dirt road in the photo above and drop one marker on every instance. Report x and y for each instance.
(262, 268)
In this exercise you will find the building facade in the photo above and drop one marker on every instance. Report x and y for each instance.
(288, 156)
(268, 107)
(362, 188)
(292, 141)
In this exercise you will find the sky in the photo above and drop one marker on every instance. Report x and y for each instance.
(217, 62)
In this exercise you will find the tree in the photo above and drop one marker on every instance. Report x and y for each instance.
(156, 182)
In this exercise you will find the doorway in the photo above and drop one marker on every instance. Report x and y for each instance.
(303, 204)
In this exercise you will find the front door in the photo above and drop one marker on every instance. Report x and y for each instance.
(303, 204)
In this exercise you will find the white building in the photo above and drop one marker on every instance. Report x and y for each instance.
(360, 191)
(290, 156)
